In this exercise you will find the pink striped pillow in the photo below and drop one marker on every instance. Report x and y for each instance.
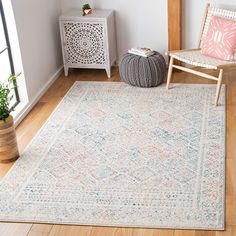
(220, 41)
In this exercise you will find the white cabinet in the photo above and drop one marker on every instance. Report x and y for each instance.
(88, 41)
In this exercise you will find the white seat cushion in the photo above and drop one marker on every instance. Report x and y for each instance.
(195, 58)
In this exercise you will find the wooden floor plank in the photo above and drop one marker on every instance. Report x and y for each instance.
(40, 230)
(184, 233)
(65, 230)
(123, 232)
(231, 210)
(152, 232)
(230, 231)
(231, 177)
(14, 229)
(205, 233)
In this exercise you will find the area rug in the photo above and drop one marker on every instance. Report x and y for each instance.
(115, 155)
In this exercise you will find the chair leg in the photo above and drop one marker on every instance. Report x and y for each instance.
(170, 70)
(218, 87)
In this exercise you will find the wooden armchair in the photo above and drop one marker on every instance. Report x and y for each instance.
(195, 58)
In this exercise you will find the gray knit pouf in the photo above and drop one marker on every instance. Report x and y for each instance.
(143, 71)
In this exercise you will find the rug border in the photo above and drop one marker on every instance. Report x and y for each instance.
(115, 226)
(129, 226)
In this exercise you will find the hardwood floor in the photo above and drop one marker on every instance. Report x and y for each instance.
(36, 118)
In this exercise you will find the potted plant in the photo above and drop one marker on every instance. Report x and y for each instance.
(86, 9)
(8, 143)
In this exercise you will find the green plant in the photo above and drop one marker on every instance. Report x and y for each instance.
(5, 95)
(86, 6)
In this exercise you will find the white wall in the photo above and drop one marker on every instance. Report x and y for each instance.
(39, 40)
(139, 23)
(193, 12)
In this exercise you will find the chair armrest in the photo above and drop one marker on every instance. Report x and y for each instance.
(169, 53)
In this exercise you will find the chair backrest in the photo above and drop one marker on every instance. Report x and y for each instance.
(214, 11)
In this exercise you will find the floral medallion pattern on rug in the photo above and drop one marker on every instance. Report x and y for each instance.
(116, 155)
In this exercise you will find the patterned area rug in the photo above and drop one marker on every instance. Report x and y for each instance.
(116, 155)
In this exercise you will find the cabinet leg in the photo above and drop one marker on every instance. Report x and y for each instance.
(66, 69)
(108, 70)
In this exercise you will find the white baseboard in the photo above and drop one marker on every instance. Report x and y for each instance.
(26, 108)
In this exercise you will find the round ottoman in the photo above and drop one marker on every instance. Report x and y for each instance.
(143, 71)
